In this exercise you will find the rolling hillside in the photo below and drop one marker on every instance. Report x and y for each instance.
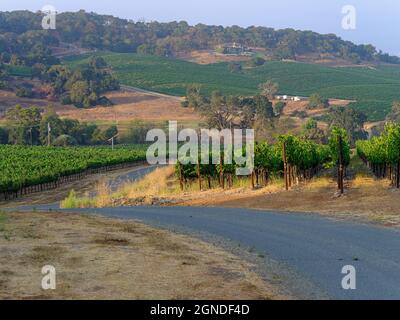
(374, 88)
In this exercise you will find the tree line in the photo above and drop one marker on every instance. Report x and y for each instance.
(22, 36)
(28, 126)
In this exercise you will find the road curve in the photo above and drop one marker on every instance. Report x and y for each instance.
(314, 247)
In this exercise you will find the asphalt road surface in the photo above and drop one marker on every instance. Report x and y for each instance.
(315, 248)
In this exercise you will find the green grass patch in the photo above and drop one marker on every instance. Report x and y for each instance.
(72, 201)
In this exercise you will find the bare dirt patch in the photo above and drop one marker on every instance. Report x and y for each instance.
(97, 258)
(129, 106)
(210, 57)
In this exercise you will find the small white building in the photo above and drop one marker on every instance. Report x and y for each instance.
(291, 98)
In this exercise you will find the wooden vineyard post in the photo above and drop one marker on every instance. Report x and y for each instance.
(257, 173)
(180, 175)
(199, 173)
(221, 172)
(398, 175)
(341, 166)
(285, 167)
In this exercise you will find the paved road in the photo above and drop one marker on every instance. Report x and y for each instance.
(132, 176)
(158, 94)
(315, 248)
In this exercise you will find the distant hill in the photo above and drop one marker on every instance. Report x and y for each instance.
(21, 34)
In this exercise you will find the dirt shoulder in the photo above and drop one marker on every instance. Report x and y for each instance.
(98, 258)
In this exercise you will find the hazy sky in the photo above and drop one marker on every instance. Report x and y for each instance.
(378, 21)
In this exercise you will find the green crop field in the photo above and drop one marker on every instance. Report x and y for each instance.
(23, 166)
(19, 71)
(374, 89)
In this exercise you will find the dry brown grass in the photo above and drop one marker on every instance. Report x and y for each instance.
(97, 258)
(157, 183)
(318, 183)
(130, 106)
(8, 100)
(161, 187)
(103, 192)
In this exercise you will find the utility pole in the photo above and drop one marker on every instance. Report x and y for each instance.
(112, 141)
(30, 132)
(48, 134)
